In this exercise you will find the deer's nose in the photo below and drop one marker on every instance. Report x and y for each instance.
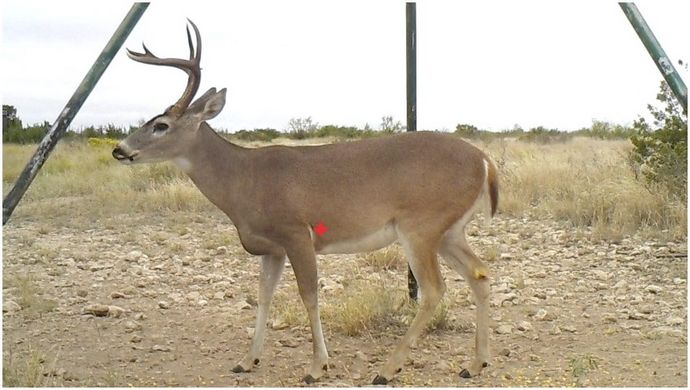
(118, 153)
(121, 155)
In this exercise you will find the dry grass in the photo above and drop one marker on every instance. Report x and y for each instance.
(587, 182)
(584, 181)
(30, 369)
(27, 293)
(83, 178)
(363, 307)
(388, 258)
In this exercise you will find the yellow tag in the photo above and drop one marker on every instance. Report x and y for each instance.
(481, 272)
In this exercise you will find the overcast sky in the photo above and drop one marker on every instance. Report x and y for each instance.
(493, 64)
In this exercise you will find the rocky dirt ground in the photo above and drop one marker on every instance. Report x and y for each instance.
(567, 310)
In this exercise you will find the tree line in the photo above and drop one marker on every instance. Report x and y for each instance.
(659, 154)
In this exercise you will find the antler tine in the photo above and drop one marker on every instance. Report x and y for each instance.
(191, 67)
(196, 57)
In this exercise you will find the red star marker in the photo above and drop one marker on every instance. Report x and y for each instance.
(320, 229)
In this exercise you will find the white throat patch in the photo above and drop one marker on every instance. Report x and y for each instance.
(184, 164)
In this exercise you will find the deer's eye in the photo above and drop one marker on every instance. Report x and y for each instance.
(160, 126)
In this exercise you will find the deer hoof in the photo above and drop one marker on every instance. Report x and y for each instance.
(309, 379)
(379, 380)
(238, 369)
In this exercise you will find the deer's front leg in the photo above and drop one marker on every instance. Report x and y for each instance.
(271, 269)
(303, 261)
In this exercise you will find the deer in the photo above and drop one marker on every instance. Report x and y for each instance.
(420, 189)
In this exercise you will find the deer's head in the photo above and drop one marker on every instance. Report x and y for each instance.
(166, 136)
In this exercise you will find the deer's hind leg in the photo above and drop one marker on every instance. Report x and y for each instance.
(459, 256)
(421, 255)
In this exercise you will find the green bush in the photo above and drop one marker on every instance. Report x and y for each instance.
(542, 135)
(263, 135)
(660, 152)
(27, 135)
(606, 130)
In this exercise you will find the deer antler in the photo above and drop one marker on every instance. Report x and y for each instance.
(191, 67)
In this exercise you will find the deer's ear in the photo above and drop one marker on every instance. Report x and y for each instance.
(209, 105)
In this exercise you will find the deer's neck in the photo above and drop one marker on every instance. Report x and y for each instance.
(216, 166)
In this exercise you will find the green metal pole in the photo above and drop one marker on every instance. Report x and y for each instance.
(658, 55)
(411, 62)
(411, 58)
(71, 108)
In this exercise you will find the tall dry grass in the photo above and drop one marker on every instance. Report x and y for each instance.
(83, 178)
(587, 182)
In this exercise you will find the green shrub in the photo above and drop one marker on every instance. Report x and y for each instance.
(263, 135)
(542, 135)
(660, 153)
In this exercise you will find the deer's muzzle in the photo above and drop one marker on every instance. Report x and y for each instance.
(121, 155)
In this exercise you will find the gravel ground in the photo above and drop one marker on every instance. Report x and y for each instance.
(168, 300)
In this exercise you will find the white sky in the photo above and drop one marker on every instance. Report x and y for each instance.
(493, 64)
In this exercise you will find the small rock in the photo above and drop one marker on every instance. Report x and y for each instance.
(133, 256)
(543, 315)
(243, 305)
(648, 309)
(117, 295)
(504, 329)
(499, 299)
(524, 326)
(653, 289)
(569, 328)
(82, 293)
(70, 376)
(534, 358)
(160, 348)
(251, 332)
(505, 352)
(163, 305)
(636, 315)
(136, 339)
(220, 295)
(193, 296)
(115, 311)
(675, 321)
(96, 310)
(131, 326)
(556, 330)
(601, 275)
(290, 343)
(139, 316)
(540, 294)
(620, 284)
(202, 302)
(10, 307)
(279, 324)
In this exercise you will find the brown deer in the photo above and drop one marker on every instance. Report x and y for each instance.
(420, 189)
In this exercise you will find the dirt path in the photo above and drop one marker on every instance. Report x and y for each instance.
(566, 311)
